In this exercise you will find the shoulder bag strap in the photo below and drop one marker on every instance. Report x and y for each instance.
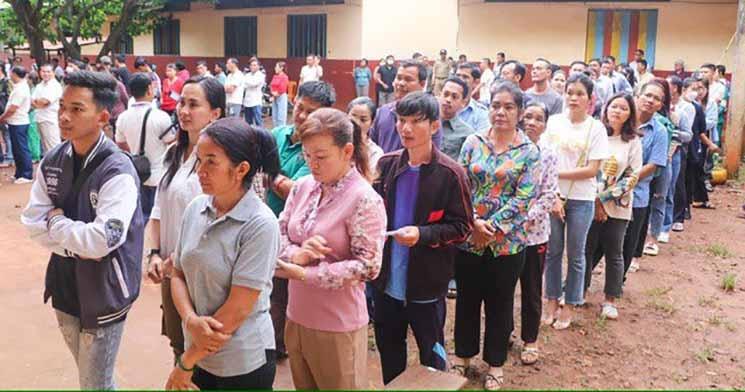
(142, 132)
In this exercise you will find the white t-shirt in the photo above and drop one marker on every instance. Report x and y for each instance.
(20, 97)
(309, 74)
(128, 128)
(487, 77)
(253, 83)
(235, 79)
(717, 91)
(171, 202)
(571, 142)
(52, 92)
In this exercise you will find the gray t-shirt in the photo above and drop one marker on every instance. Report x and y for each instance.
(553, 101)
(239, 248)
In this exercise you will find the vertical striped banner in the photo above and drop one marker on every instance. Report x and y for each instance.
(620, 33)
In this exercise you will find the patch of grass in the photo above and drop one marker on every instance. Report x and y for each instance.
(601, 323)
(718, 250)
(660, 301)
(729, 281)
(706, 355)
(715, 320)
(708, 302)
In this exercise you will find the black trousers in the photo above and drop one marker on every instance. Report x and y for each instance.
(531, 291)
(278, 311)
(489, 280)
(606, 239)
(700, 195)
(681, 203)
(632, 237)
(392, 319)
(261, 378)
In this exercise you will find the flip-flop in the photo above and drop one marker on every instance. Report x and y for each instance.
(492, 382)
(705, 206)
(529, 355)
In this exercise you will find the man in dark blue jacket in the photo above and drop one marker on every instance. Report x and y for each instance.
(84, 206)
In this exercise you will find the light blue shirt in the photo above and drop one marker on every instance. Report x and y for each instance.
(654, 151)
(476, 115)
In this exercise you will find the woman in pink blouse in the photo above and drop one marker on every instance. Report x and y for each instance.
(332, 231)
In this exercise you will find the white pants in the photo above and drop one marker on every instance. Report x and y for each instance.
(49, 132)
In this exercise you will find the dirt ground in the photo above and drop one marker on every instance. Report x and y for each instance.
(678, 328)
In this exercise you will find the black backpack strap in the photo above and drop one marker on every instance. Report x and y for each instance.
(142, 132)
(83, 175)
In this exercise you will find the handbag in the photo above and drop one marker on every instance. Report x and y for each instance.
(139, 160)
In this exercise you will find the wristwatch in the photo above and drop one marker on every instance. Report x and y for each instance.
(153, 252)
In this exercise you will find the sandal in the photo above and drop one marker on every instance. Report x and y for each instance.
(461, 370)
(492, 382)
(705, 206)
(529, 355)
(561, 325)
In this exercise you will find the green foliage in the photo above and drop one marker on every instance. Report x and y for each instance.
(11, 33)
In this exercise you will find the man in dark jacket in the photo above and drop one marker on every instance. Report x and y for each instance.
(84, 207)
(428, 204)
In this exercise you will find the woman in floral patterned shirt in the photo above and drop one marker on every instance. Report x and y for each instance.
(613, 204)
(538, 227)
(502, 165)
(332, 231)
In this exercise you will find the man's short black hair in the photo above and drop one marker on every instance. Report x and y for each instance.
(463, 85)
(179, 65)
(421, 68)
(101, 84)
(519, 68)
(419, 103)
(710, 66)
(55, 61)
(584, 64)
(138, 85)
(473, 69)
(19, 70)
(500, 54)
(140, 62)
(611, 58)
(594, 60)
(202, 63)
(121, 57)
(318, 91)
(721, 69)
(641, 51)
(643, 63)
(548, 63)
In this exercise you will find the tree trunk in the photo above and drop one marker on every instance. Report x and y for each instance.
(736, 120)
(119, 28)
(29, 16)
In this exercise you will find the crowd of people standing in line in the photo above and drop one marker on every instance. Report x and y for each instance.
(286, 244)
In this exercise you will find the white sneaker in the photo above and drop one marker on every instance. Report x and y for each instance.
(678, 226)
(20, 181)
(651, 249)
(634, 266)
(664, 237)
(609, 311)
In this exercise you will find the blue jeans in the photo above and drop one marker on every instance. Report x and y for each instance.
(8, 156)
(279, 111)
(94, 351)
(233, 110)
(21, 153)
(253, 116)
(657, 200)
(579, 214)
(667, 223)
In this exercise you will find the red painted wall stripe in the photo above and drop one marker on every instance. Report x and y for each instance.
(608, 37)
(633, 34)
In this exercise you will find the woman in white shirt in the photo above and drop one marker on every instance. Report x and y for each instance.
(613, 205)
(581, 143)
(202, 102)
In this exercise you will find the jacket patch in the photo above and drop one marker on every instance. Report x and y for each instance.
(114, 231)
(435, 216)
(93, 196)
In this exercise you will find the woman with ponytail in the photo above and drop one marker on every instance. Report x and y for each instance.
(224, 263)
(332, 231)
(202, 102)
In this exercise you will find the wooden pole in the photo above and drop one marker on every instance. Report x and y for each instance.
(736, 120)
